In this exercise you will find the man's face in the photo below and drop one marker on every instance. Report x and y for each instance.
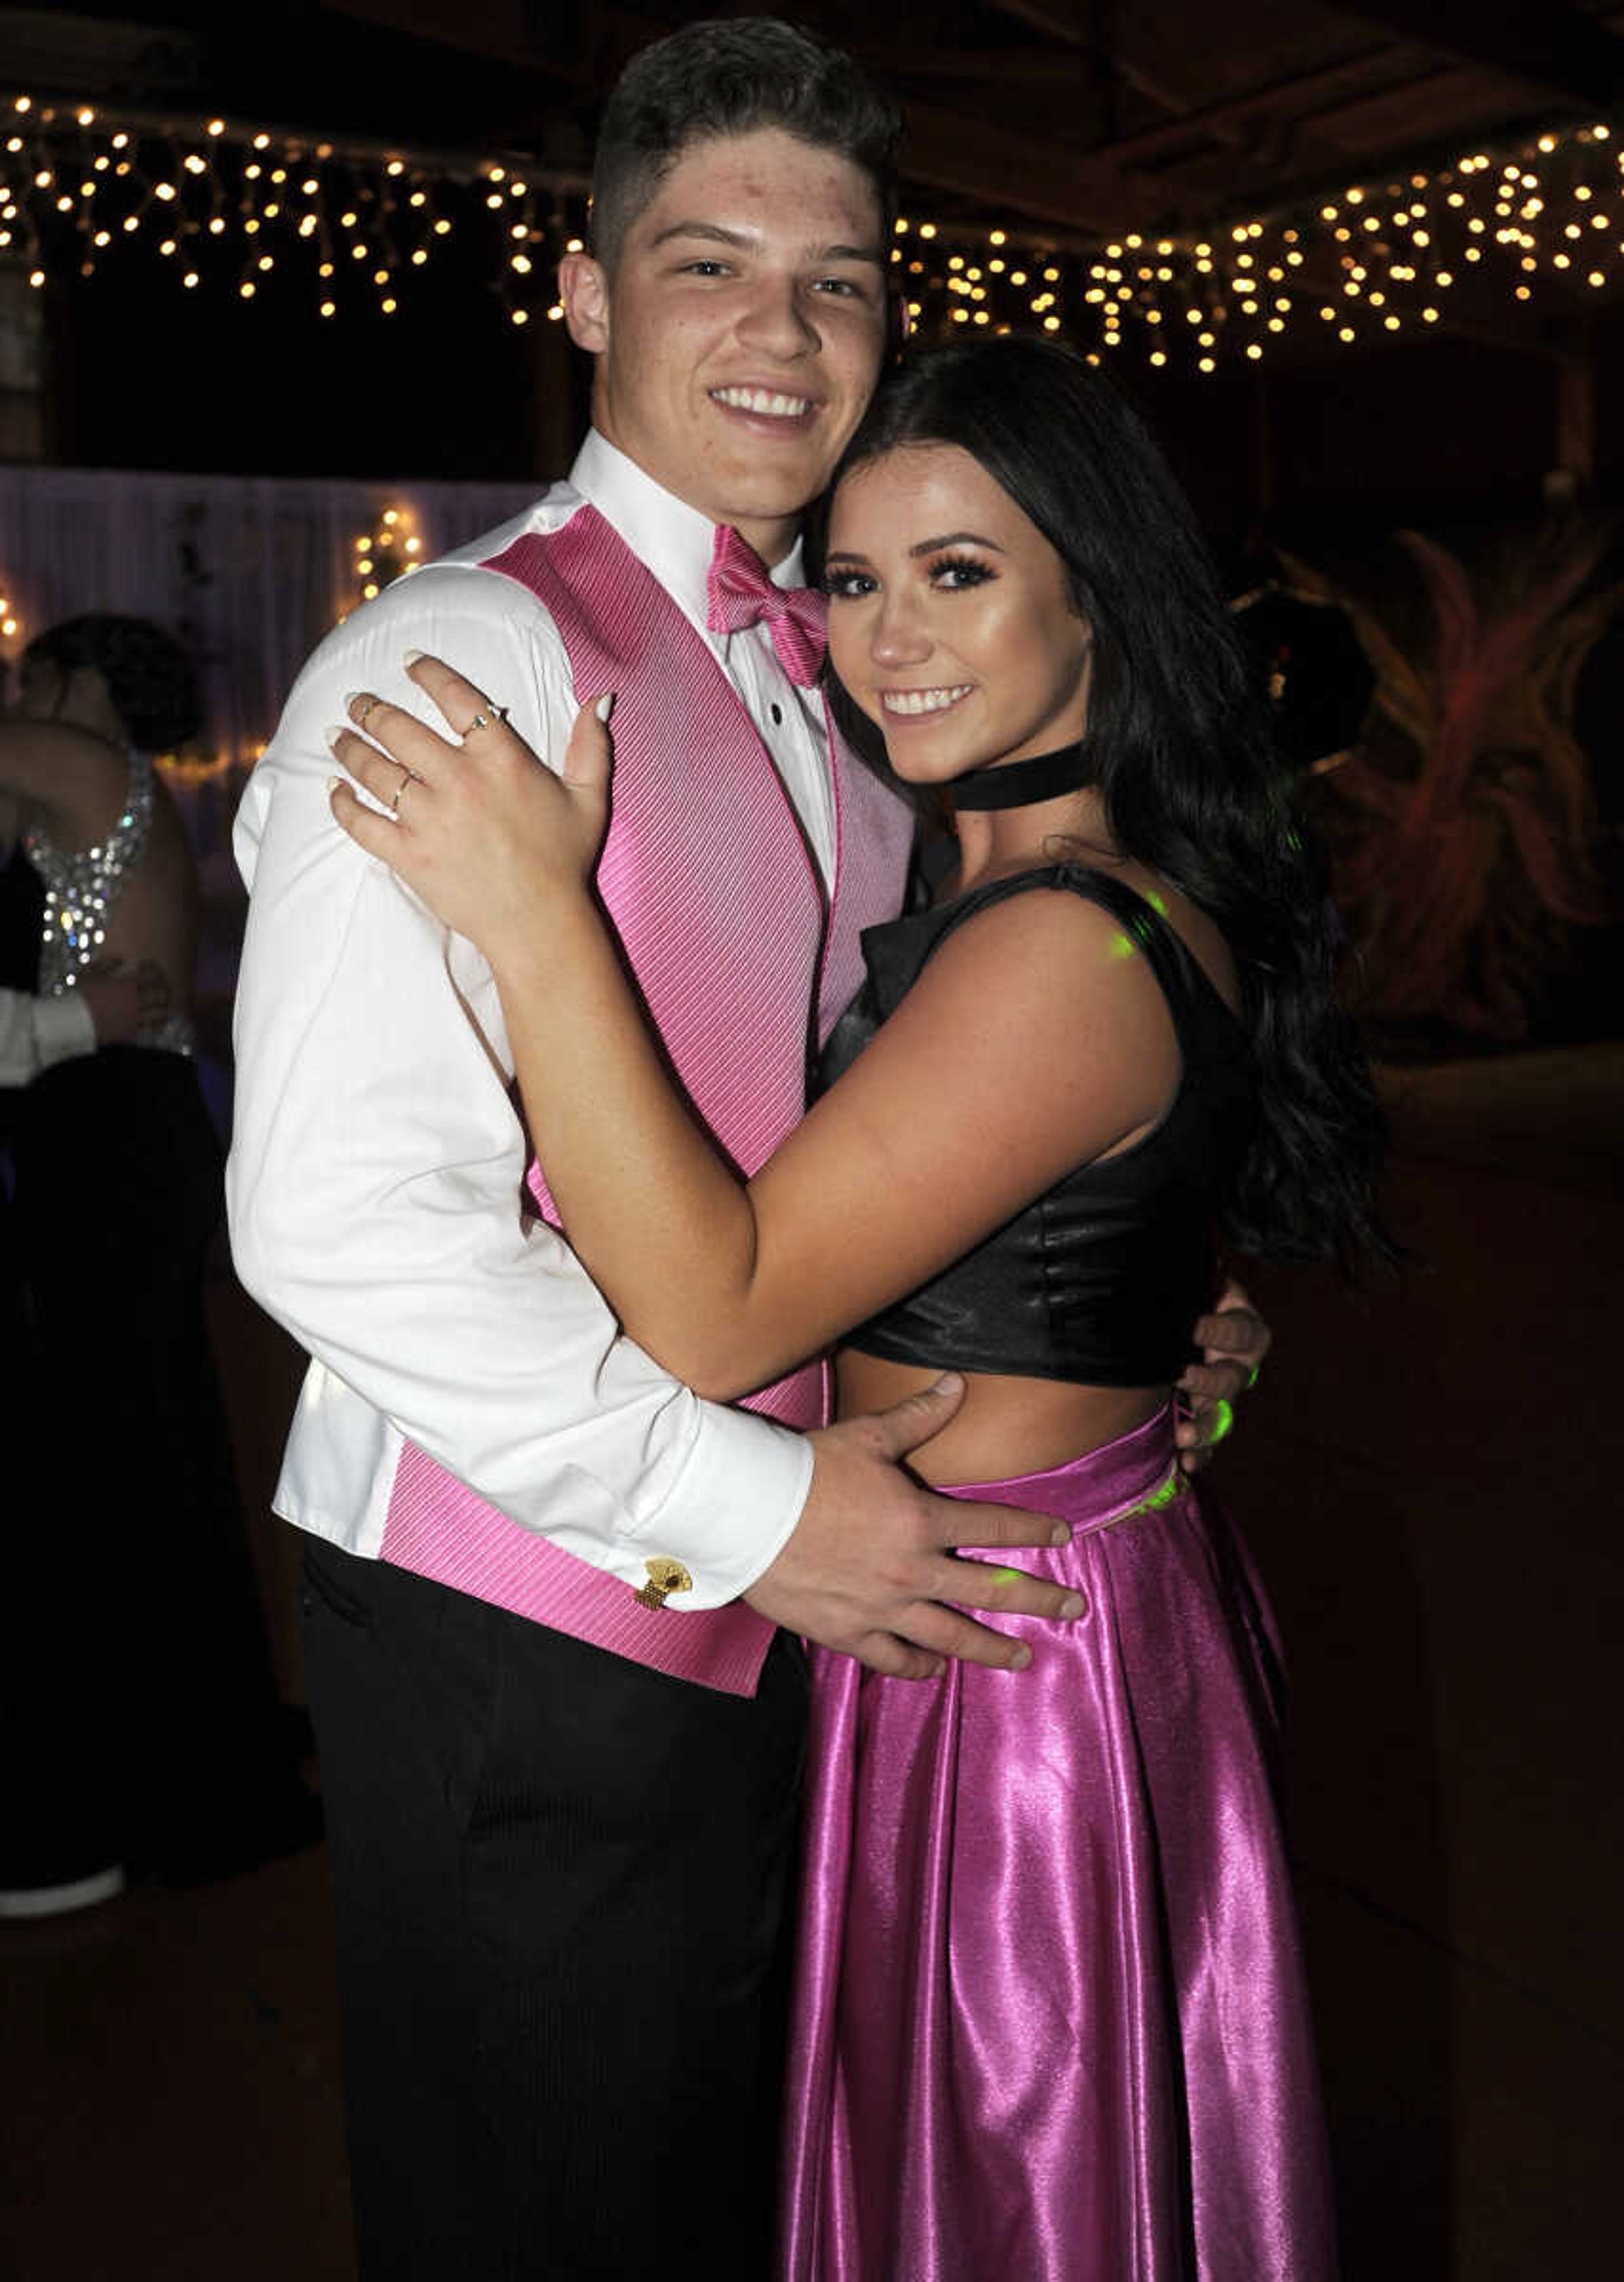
(740, 336)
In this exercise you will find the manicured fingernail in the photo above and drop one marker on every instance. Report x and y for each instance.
(334, 784)
(605, 705)
(1074, 1605)
(332, 737)
(949, 1383)
(1021, 1658)
(1060, 1534)
(411, 656)
(939, 1668)
(352, 697)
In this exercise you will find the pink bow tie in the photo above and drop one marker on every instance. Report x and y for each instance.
(739, 593)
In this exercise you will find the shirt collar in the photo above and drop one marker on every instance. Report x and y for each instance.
(672, 538)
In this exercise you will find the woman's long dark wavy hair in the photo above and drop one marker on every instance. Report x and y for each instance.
(1193, 787)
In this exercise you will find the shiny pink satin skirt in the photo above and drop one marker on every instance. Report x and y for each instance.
(1050, 2021)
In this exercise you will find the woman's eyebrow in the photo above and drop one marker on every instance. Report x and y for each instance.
(955, 538)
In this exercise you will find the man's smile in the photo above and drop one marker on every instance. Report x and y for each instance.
(764, 403)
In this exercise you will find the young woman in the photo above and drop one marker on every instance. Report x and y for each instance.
(136, 1693)
(1050, 2018)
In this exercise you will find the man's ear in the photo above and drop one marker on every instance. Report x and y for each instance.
(583, 288)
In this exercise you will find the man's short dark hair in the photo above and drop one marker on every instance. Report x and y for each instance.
(150, 679)
(733, 76)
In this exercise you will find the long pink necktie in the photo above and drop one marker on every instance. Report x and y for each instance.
(739, 593)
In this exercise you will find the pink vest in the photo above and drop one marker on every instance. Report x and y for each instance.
(724, 919)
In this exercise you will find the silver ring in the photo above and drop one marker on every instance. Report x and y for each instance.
(483, 720)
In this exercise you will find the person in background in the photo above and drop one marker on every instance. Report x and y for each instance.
(143, 1728)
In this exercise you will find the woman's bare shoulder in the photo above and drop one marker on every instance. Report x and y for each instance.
(1045, 988)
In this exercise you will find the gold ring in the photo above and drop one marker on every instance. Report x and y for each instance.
(484, 718)
(406, 778)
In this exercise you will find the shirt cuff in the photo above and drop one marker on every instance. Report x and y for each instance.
(63, 1029)
(735, 1507)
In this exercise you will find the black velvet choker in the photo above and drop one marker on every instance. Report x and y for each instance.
(1022, 784)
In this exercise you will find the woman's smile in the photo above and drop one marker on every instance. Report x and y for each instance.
(913, 704)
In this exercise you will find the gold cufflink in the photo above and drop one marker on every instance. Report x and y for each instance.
(664, 1577)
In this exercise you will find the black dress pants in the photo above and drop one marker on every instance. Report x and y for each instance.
(560, 1883)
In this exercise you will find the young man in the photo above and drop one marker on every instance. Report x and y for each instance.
(560, 1742)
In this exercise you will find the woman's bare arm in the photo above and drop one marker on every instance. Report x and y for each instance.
(1027, 1047)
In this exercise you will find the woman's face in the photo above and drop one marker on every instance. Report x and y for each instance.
(950, 620)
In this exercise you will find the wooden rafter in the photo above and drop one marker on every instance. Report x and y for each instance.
(1069, 20)
(1548, 47)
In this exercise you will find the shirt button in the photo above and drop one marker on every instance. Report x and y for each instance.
(777, 711)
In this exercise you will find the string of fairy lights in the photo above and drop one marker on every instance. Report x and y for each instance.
(222, 204)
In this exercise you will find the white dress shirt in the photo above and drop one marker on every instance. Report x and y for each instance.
(375, 1177)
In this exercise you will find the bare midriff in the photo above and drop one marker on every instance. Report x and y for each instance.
(1005, 1426)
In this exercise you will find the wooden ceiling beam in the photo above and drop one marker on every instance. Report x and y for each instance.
(1296, 100)
(1008, 170)
(1069, 21)
(1545, 45)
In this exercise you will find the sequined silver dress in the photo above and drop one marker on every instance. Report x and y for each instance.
(82, 887)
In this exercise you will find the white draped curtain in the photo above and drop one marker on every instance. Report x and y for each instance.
(249, 570)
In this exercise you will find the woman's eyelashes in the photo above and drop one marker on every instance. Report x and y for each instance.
(949, 574)
(954, 572)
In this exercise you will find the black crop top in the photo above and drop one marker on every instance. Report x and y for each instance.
(1102, 1277)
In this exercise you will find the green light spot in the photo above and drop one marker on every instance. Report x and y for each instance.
(1007, 1576)
(1224, 1420)
(1121, 947)
(1158, 903)
(1166, 1494)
